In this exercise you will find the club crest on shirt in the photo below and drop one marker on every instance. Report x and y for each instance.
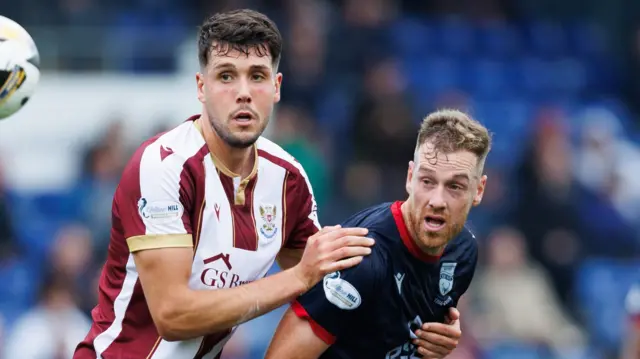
(447, 271)
(268, 214)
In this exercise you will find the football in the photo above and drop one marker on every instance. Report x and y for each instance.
(19, 67)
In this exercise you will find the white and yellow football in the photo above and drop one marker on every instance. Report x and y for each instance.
(19, 67)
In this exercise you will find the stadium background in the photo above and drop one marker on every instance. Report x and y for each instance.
(556, 81)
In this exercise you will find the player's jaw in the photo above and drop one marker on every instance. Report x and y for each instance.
(242, 128)
(435, 230)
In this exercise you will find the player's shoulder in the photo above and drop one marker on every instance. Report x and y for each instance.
(379, 220)
(168, 151)
(464, 246)
(272, 152)
(375, 218)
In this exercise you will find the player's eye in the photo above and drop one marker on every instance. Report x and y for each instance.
(456, 187)
(225, 76)
(257, 77)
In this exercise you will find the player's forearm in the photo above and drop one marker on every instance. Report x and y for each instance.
(199, 313)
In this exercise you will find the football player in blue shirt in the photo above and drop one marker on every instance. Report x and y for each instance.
(422, 263)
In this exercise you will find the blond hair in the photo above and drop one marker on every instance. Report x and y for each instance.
(451, 131)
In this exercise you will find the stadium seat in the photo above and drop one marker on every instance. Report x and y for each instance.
(568, 77)
(533, 76)
(605, 315)
(498, 40)
(433, 75)
(489, 78)
(515, 351)
(455, 37)
(411, 38)
(546, 39)
(585, 39)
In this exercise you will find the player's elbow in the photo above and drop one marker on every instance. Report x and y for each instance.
(172, 323)
(168, 327)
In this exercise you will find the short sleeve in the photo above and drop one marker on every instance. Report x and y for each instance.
(301, 211)
(334, 305)
(153, 201)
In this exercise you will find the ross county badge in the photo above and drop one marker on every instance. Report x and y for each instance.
(268, 215)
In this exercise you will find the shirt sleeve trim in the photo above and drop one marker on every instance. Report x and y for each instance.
(318, 330)
(155, 241)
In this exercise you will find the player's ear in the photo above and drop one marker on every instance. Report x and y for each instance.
(480, 190)
(409, 177)
(200, 86)
(278, 84)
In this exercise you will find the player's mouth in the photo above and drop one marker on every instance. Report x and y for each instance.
(434, 223)
(243, 117)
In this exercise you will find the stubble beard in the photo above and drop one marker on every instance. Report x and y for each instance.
(433, 242)
(233, 141)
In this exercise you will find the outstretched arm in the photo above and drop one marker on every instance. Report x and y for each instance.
(293, 333)
(182, 313)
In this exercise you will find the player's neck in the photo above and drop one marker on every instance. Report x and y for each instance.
(236, 160)
(432, 251)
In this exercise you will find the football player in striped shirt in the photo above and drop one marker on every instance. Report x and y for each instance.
(202, 212)
(399, 302)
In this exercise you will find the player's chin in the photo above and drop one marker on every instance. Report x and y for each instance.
(434, 240)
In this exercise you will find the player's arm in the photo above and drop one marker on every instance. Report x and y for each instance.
(323, 314)
(631, 349)
(295, 332)
(302, 218)
(159, 236)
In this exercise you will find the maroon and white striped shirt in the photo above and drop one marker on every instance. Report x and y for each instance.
(175, 193)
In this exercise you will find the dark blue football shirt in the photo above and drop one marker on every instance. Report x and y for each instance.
(373, 309)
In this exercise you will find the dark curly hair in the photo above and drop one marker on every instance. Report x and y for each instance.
(239, 30)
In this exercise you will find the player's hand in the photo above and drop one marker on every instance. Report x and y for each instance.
(331, 249)
(437, 340)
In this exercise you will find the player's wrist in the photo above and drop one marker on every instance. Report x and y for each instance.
(299, 278)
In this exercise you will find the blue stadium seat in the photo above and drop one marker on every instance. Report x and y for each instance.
(509, 120)
(585, 39)
(455, 37)
(568, 76)
(411, 38)
(602, 285)
(20, 282)
(433, 75)
(533, 76)
(489, 78)
(514, 351)
(498, 40)
(546, 39)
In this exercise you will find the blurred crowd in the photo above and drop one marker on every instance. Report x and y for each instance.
(559, 227)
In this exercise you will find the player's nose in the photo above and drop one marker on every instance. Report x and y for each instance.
(244, 93)
(436, 200)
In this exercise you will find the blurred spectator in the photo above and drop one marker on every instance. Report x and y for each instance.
(102, 167)
(384, 130)
(547, 203)
(7, 239)
(52, 329)
(516, 299)
(298, 135)
(72, 261)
